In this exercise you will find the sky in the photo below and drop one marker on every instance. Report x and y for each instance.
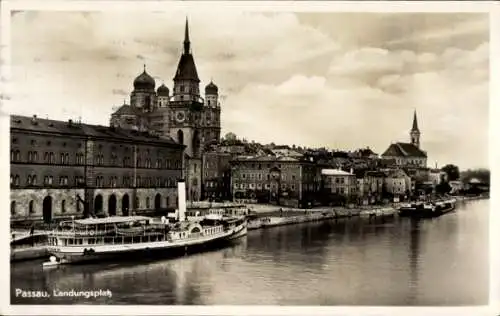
(339, 80)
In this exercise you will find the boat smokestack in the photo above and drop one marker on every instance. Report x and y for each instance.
(181, 187)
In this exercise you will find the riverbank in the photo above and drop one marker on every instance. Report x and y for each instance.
(265, 216)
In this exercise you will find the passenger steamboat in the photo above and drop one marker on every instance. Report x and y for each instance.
(427, 209)
(130, 236)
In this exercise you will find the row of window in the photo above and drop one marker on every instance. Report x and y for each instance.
(339, 180)
(261, 186)
(80, 145)
(416, 162)
(112, 181)
(344, 190)
(50, 158)
(259, 176)
(32, 209)
(33, 142)
(32, 180)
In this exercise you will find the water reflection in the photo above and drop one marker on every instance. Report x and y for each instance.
(393, 261)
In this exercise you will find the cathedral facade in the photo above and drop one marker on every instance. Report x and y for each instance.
(182, 114)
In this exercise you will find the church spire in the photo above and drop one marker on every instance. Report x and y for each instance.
(415, 132)
(187, 43)
(186, 69)
(415, 124)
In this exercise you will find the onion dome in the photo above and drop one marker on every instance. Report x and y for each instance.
(211, 88)
(144, 81)
(163, 91)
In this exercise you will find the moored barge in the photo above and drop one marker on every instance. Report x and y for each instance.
(427, 209)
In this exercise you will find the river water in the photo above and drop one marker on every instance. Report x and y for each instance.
(396, 261)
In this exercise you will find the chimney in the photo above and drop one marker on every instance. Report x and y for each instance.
(181, 188)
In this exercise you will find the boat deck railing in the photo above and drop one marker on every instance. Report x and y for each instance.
(123, 240)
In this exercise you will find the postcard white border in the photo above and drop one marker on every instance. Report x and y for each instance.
(307, 6)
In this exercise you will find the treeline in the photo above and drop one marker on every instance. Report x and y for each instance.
(482, 175)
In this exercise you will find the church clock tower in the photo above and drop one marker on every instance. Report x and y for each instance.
(185, 117)
(186, 104)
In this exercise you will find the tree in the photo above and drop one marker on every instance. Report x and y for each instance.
(443, 188)
(230, 136)
(452, 172)
(482, 175)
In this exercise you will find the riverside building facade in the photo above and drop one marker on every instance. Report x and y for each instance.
(61, 169)
(278, 180)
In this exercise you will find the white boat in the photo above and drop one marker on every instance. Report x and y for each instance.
(132, 236)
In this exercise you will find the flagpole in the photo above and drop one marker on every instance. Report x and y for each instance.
(135, 180)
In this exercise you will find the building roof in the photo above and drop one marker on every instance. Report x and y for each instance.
(111, 220)
(404, 150)
(211, 88)
(286, 152)
(415, 124)
(335, 172)
(366, 152)
(266, 159)
(34, 124)
(474, 181)
(163, 91)
(127, 110)
(377, 174)
(144, 81)
(186, 69)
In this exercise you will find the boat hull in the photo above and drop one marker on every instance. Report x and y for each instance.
(28, 253)
(425, 213)
(75, 255)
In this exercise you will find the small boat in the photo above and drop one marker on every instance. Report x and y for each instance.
(52, 263)
(427, 209)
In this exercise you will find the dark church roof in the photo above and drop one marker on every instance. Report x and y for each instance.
(144, 81)
(415, 124)
(186, 69)
(37, 125)
(211, 88)
(404, 150)
(163, 90)
(127, 110)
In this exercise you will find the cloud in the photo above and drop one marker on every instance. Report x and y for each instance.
(120, 92)
(463, 27)
(451, 98)
(342, 80)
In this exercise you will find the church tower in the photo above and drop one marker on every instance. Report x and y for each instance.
(415, 132)
(186, 113)
(211, 130)
(144, 95)
(186, 104)
(186, 81)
